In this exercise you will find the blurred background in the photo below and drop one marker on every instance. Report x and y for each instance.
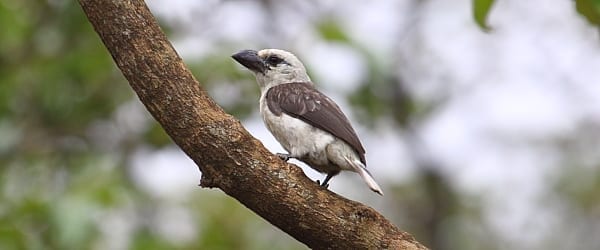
(481, 139)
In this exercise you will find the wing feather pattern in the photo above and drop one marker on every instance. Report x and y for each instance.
(303, 101)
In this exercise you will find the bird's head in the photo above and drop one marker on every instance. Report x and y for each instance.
(272, 67)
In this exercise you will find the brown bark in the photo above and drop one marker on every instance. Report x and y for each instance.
(228, 156)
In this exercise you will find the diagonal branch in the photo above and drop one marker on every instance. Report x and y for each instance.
(228, 156)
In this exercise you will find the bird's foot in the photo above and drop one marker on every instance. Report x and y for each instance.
(284, 157)
(325, 185)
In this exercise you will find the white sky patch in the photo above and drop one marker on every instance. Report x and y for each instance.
(338, 67)
(387, 157)
(178, 11)
(176, 225)
(451, 137)
(193, 48)
(237, 21)
(225, 94)
(116, 228)
(369, 22)
(521, 109)
(167, 173)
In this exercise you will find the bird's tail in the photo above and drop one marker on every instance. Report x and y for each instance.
(364, 173)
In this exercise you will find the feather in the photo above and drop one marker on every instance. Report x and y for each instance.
(303, 101)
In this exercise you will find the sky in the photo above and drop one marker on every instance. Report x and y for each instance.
(532, 78)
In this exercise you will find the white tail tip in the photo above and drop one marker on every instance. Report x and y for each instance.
(366, 176)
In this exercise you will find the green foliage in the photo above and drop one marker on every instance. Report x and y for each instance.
(58, 180)
(146, 239)
(49, 212)
(369, 102)
(55, 74)
(580, 187)
(382, 95)
(481, 10)
(439, 215)
(330, 30)
(56, 81)
(590, 9)
(157, 136)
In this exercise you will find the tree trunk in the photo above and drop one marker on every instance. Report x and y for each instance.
(228, 156)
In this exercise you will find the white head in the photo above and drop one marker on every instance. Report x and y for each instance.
(273, 67)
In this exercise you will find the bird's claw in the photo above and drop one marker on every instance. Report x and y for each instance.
(284, 157)
(325, 186)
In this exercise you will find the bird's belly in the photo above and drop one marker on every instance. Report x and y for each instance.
(299, 138)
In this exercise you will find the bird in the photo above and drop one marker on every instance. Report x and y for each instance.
(310, 126)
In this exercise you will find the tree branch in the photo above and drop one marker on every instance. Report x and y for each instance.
(228, 156)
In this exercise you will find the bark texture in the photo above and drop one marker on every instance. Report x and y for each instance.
(228, 156)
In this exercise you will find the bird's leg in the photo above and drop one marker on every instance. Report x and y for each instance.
(326, 180)
(284, 157)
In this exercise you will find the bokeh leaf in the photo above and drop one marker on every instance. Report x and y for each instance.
(331, 31)
(481, 10)
(590, 9)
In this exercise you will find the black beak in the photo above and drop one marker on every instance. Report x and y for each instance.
(250, 60)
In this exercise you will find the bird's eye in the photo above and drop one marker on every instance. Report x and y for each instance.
(274, 60)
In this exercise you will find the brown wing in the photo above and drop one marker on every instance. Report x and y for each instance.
(303, 101)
